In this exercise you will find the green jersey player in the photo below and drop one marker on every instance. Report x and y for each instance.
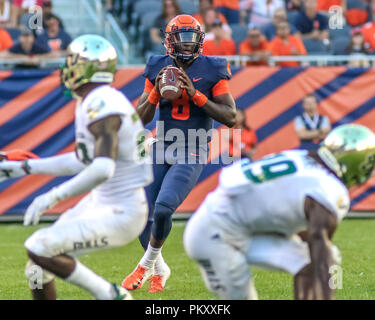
(262, 211)
(110, 164)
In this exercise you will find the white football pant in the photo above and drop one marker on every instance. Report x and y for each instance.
(91, 226)
(224, 256)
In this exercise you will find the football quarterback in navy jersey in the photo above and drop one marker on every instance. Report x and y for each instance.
(205, 97)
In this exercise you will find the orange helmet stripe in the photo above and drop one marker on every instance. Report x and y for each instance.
(183, 20)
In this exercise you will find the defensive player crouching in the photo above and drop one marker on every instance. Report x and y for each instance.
(255, 214)
(112, 166)
(206, 96)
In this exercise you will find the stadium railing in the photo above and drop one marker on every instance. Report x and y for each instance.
(90, 16)
(319, 60)
(113, 32)
(9, 64)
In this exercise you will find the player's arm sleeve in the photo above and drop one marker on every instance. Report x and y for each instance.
(148, 86)
(222, 87)
(63, 165)
(223, 74)
(100, 170)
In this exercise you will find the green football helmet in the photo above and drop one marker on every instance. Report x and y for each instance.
(91, 58)
(349, 150)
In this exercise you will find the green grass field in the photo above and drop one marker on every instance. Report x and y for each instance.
(355, 238)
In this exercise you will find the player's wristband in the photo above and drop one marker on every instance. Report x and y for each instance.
(199, 99)
(26, 167)
(154, 97)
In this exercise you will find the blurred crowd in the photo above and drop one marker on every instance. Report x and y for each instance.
(258, 28)
(254, 28)
(28, 39)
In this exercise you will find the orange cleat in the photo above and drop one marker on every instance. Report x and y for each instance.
(157, 282)
(137, 278)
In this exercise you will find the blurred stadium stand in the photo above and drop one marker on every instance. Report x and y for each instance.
(128, 22)
(239, 33)
(339, 45)
(137, 16)
(90, 16)
(315, 46)
(345, 32)
(82, 17)
(291, 16)
(188, 7)
(309, 60)
(14, 33)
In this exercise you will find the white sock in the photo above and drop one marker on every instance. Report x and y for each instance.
(86, 279)
(149, 258)
(253, 294)
(160, 265)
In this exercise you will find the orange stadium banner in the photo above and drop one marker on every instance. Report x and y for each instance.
(35, 115)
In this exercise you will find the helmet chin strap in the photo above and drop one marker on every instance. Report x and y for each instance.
(184, 57)
(330, 161)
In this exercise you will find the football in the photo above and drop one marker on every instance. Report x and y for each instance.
(170, 83)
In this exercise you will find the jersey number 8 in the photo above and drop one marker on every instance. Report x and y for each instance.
(181, 107)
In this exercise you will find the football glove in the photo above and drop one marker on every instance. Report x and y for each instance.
(39, 206)
(17, 155)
